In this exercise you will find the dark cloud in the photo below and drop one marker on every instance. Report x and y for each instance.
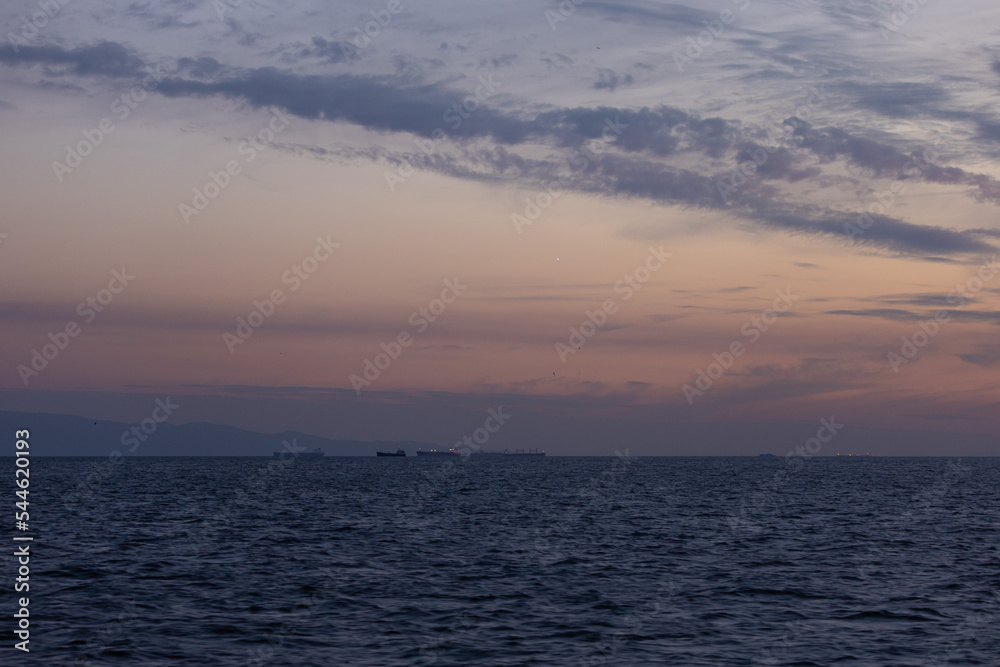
(199, 68)
(892, 234)
(159, 15)
(637, 143)
(853, 14)
(988, 130)
(881, 160)
(331, 51)
(899, 315)
(769, 382)
(781, 163)
(916, 100)
(610, 80)
(658, 131)
(102, 59)
(651, 13)
(557, 61)
(900, 99)
(986, 356)
(924, 300)
(616, 176)
(373, 102)
(663, 317)
(499, 61)
(893, 314)
(243, 36)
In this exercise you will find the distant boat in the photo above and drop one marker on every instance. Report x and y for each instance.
(767, 454)
(434, 452)
(398, 452)
(314, 454)
(507, 452)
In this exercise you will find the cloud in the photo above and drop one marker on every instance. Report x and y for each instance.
(610, 80)
(781, 163)
(330, 51)
(925, 300)
(102, 59)
(899, 99)
(831, 143)
(497, 62)
(199, 68)
(377, 103)
(892, 314)
(660, 318)
(664, 14)
(647, 151)
(160, 15)
(810, 376)
(987, 356)
(899, 315)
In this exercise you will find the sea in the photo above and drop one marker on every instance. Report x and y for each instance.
(577, 561)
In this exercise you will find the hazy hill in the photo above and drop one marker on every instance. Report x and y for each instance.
(68, 435)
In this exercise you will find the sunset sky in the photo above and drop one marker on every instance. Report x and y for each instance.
(526, 160)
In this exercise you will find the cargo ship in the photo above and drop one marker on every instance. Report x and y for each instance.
(516, 452)
(434, 452)
(398, 452)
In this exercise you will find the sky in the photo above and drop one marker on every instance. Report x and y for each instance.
(677, 228)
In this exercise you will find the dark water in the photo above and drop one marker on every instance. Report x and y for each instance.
(561, 561)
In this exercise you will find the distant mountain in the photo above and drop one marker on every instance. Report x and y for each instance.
(68, 435)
